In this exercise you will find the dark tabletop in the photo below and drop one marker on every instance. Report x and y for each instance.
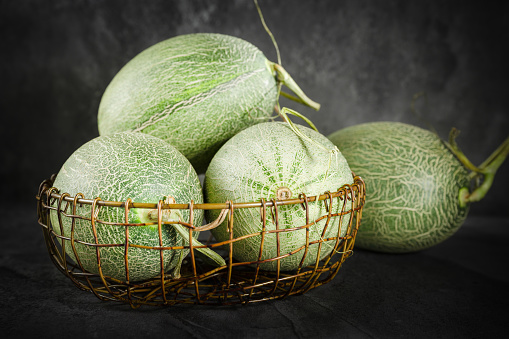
(458, 289)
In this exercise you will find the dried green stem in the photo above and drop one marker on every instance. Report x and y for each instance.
(487, 169)
(453, 146)
(284, 78)
(499, 153)
(208, 254)
(168, 215)
(268, 31)
(483, 174)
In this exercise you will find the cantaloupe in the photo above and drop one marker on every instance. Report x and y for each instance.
(271, 161)
(116, 167)
(194, 91)
(417, 190)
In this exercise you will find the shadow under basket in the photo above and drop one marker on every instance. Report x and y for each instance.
(199, 282)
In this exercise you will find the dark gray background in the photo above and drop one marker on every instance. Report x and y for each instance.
(362, 60)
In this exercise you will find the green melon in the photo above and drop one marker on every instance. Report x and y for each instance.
(262, 161)
(413, 184)
(115, 168)
(194, 91)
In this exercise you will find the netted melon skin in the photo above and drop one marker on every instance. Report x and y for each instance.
(254, 165)
(194, 91)
(412, 185)
(114, 168)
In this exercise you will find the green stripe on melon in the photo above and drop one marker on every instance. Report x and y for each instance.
(413, 182)
(194, 91)
(115, 168)
(266, 161)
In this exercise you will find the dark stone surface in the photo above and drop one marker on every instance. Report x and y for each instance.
(458, 289)
(362, 60)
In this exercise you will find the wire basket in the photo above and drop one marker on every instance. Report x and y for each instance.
(199, 282)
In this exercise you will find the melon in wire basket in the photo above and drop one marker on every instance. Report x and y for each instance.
(142, 168)
(202, 283)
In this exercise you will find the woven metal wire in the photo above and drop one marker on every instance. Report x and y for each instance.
(199, 283)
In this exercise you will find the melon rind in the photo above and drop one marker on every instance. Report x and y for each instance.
(253, 165)
(412, 185)
(194, 91)
(117, 167)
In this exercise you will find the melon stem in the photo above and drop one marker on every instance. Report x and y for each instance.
(167, 215)
(453, 146)
(498, 155)
(284, 78)
(487, 169)
(284, 115)
(268, 31)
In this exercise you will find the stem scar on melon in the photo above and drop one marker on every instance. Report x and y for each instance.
(167, 214)
(283, 193)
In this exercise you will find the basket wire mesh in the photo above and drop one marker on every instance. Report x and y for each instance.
(199, 282)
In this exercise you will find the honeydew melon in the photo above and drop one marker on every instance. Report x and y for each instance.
(194, 91)
(116, 167)
(270, 161)
(418, 187)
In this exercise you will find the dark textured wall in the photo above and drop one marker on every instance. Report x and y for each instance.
(362, 60)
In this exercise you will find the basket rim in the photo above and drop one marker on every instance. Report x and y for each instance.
(47, 188)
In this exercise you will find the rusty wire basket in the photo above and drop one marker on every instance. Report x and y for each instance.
(199, 282)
